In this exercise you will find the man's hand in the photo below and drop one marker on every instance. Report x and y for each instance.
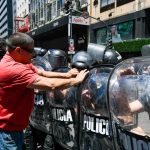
(72, 73)
(82, 74)
(49, 74)
(126, 72)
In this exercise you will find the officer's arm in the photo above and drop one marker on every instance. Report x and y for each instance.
(142, 104)
(44, 83)
(136, 106)
(49, 74)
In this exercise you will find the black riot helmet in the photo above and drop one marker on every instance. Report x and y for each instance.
(96, 51)
(40, 51)
(102, 55)
(57, 58)
(81, 60)
(145, 50)
(111, 57)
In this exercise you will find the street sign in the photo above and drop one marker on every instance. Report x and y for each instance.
(85, 15)
(71, 42)
(80, 20)
(71, 52)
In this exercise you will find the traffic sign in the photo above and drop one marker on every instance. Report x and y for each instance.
(71, 42)
(85, 15)
(80, 20)
(71, 52)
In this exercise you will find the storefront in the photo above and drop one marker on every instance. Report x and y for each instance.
(55, 34)
(131, 26)
(128, 27)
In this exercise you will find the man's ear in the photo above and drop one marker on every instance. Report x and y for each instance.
(18, 49)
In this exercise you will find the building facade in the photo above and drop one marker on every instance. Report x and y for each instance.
(20, 16)
(125, 20)
(13, 16)
(6, 18)
(22, 8)
(51, 28)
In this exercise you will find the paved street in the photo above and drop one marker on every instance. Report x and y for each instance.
(144, 122)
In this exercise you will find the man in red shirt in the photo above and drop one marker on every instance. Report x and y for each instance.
(18, 79)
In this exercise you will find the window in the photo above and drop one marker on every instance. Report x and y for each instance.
(54, 9)
(101, 36)
(120, 32)
(106, 2)
(122, 2)
(58, 7)
(126, 30)
(107, 5)
(83, 2)
(49, 10)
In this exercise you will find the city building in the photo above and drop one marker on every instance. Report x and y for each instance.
(13, 17)
(20, 16)
(22, 8)
(52, 27)
(125, 19)
(6, 18)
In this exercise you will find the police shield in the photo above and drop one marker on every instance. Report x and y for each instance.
(129, 102)
(40, 118)
(94, 115)
(64, 115)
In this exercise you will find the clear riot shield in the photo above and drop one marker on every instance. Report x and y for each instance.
(94, 115)
(129, 102)
(40, 117)
(64, 115)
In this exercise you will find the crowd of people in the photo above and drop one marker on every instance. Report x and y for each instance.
(18, 80)
(20, 77)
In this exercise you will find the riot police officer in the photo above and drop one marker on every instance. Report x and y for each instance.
(57, 58)
(82, 60)
(94, 115)
(102, 55)
(36, 133)
(145, 50)
(129, 104)
(40, 120)
(59, 63)
(65, 112)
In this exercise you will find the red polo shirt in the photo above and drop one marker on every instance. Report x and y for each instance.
(16, 100)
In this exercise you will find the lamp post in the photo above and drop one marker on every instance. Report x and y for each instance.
(68, 9)
(70, 38)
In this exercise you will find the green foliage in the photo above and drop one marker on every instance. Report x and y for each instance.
(131, 45)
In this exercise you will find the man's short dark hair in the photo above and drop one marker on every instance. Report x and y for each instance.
(19, 39)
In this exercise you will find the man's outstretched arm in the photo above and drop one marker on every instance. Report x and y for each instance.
(44, 83)
(50, 74)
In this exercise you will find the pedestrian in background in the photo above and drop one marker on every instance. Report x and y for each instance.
(18, 79)
(2, 48)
